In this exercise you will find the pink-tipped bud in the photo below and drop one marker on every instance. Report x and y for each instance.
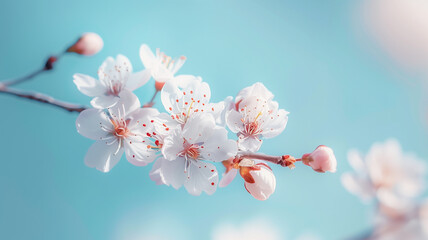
(321, 160)
(88, 44)
(261, 183)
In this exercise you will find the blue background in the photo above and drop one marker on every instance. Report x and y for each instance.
(311, 54)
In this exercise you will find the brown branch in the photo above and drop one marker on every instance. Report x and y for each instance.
(42, 98)
(284, 161)
(24, 78)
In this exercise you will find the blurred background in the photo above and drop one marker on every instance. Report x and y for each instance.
(338, 67)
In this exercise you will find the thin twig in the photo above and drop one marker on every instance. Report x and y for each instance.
(284, 160)
(151, 103)
(24, 78)
(42, 98)
(49, 64)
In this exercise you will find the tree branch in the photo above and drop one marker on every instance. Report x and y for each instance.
(284, 161)
(42, 98)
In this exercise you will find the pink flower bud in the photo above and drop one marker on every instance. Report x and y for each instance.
(261, 183)
(321, 160)
(88, 44)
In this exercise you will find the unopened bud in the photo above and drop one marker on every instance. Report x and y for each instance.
(262, 182)
(322, 159)
(88, 44)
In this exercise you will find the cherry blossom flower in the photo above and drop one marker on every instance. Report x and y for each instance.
(115, 77)
(410, 222)
(321, 160)
(185, 152)
(181, 103)
(385, 173)
(260, 181)
(254, 116)
(116, 130)
(162, 67)
(88, 44)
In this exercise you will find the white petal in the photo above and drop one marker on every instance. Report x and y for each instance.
(105, 68)
(357, 186)
(390, 199)
(165, 124)
(198, 128)
(227, 106)
(172, 145)
(137, 80)
(123, 64)
(250, 143)
(88, 85)
(257, 89)
(274, 125)
(128, 102)
(103, 156)
(104, 101)
(184, 81)
(115, 70)
(156, 173)
(90, 122)
(173, 172)
(169, 94)
(147, 56)
(202, 176)
(233, 121)
(217, 147)
(216, 109)
(228, 177)
(139, 117)
(138, 153)
(356, 161)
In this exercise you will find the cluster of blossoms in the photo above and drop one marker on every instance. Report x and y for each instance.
(186, 139)
(395, 180)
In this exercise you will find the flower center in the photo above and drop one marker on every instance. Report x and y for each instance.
(120, 129)
(253, 127)
(115, 88)
(190, 151)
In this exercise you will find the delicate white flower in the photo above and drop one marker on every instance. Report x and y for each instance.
(385, 173)
(255, 115)
(115, 77)
(116, 130)
(162, 67)
(88, 44)
(405, 223)
(181, 103)
(185, 150)
(322, 159)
